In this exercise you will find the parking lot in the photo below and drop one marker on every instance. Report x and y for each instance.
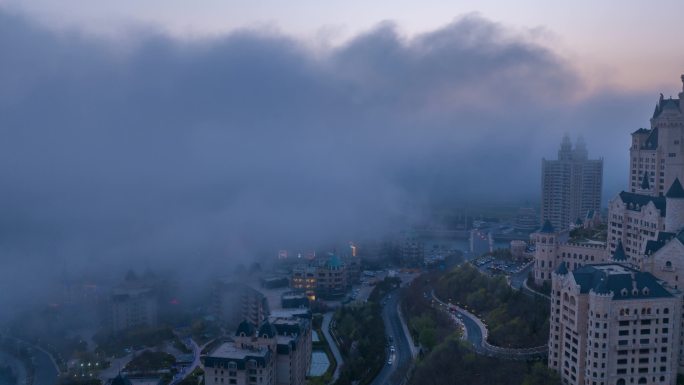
(491, 265)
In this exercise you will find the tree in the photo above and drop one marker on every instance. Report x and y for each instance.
(541, 375)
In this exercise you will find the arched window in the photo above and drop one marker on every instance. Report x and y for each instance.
(643, 380)
(668, 264)
(620, 382)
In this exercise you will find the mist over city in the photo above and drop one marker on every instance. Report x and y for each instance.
(146, 154)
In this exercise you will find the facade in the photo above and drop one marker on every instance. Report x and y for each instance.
(621, 323)
(611, 324)
(412, 249)
(571, 185)
(658, 153)
(277, 353)
(132, 306)
(553, 248)
(326, 277)
(633, 220)
(234, 302)
(526, 221)
(518, 249)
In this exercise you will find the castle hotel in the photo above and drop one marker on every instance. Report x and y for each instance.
(616, 302)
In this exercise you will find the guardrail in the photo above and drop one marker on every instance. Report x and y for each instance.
(511, 353)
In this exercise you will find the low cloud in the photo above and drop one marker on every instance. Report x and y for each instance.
(164, 152)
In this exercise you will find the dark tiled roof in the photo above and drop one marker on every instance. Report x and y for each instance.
(652, 140)
(620, 280)
(260, 358)
(267, 330)
(245, 327)
(665, 104)
(676, 190)
(654, 245)
(641, 131)
(561, 269)
(590, 214)
(619, 254)
(641, 200)
(547, 227)
(578, 222)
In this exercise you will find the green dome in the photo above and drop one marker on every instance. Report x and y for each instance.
(334, 262)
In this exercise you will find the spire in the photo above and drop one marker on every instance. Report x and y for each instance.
(619, 254)
(561, 269)
(580, 148)
(676, 190)
(565, 151)
(547, 227)
(644, 183)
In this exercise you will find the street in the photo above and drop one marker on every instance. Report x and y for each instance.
(394, 329)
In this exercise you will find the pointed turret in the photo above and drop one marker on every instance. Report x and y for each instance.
(676, 190)
(674, 204)
(645, 185)
(561, 269)
(619, 254)
(547, 227)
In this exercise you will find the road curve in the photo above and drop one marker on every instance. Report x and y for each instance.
(393, 328)
(327, 319)
(476, 334)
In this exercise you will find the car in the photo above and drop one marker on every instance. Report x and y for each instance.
(392, 349)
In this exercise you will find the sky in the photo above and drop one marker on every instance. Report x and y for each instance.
(625, 44)
(140, 134)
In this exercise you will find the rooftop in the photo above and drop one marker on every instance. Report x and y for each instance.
(547, 227)
(635, 201)
(230, 350)
(676, 190)
(595, 235)
(620, 281)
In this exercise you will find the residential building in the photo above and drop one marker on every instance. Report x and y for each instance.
(235, 301)
(611, 324)
(553, 248)
(571, 185)
(329, 277)
(633, 220)
(276, 353)
(621, 322)
(131, 307)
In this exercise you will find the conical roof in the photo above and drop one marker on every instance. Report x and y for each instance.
(562, 269)
(676, 190)
(547, 227)
(645, 185)
(334, 262)
(619, 254)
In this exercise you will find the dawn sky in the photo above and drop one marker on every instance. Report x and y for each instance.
(592, 34)
(156, 131)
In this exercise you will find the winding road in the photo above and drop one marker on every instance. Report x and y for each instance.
(394, 329)
(327, 319)
(476, 334)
